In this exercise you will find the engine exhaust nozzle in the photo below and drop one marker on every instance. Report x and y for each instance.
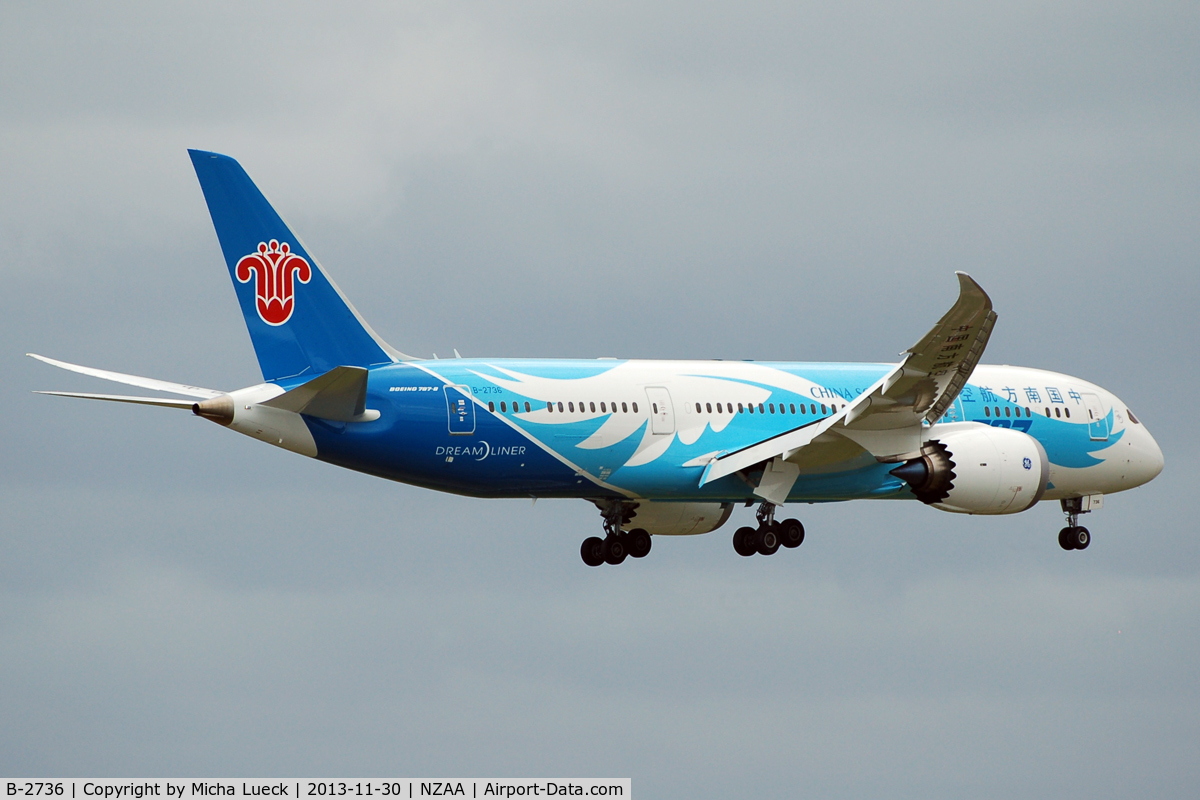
(915, 473)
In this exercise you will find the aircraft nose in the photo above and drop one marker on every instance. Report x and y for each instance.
(1154, 459)
(1147, 461)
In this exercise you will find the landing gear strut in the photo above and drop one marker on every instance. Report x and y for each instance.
(767, 538)
(1074, 536)
(617, 544)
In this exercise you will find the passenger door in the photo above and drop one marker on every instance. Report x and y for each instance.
(1097, 419)
(460, 410)
(662, 413)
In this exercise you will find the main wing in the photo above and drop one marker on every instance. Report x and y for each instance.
(934, 370)
(886, 419)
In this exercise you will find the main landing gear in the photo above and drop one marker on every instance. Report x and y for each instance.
(767, 538)
(1074, 536)
(617, 544)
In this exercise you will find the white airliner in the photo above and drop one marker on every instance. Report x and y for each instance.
(660, 447)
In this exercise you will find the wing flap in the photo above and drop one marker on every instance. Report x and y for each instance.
(785, 444)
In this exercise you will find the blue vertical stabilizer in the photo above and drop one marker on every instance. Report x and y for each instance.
(299, 321)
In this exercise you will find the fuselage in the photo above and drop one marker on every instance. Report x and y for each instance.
(646, 429)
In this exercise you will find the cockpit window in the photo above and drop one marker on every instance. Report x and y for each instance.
(1132, 418)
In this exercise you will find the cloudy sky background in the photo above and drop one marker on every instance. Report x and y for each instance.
(772, 181)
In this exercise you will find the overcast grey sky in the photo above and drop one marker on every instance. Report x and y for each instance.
(652, 179)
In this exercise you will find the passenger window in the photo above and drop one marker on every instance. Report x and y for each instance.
(812, 409)
(751, 408)
(987, 412)
(742, 411)
(997, 410)
(602, 409)
(550, 406)
(634, 407)
(1027, 413)
(720, 408)
(571, 407)
(697, 408)
(708, 407)
(1067, 411)
(503, 407)
(762, 409)
(802, 408)
(491, 406)
(1008, 411)
(1047, 411)
(1057, 413)
(654, 407)
(592, 407)
(823, 411)
(771, 406)
(624, 408)
(792, 407)
(560, 406)
(527, 406)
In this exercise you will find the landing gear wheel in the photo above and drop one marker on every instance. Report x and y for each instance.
(639, 543)
(743, 542)
(767, 540)
(615, 550)
(1064, 538)
(592, 551)
(1081, 538)
(791, 533)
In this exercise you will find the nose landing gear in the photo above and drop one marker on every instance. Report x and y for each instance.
(767, 538)
(1074, 536)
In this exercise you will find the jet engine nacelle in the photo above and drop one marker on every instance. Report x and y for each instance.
(678, 519)
(973, 469)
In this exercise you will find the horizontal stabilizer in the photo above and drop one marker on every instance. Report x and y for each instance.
(130, 380)
(339, 395)
(117, 398)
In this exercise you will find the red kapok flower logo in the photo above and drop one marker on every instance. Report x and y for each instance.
(274, 268)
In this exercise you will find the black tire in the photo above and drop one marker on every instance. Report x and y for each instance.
(1081, 538)
(767, 540)
(592, 551)
(615, 550)
(791, 533)
(1064, 539)
(639, 543)
(743, 542)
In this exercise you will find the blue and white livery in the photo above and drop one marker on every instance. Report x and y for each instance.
(660, 447)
